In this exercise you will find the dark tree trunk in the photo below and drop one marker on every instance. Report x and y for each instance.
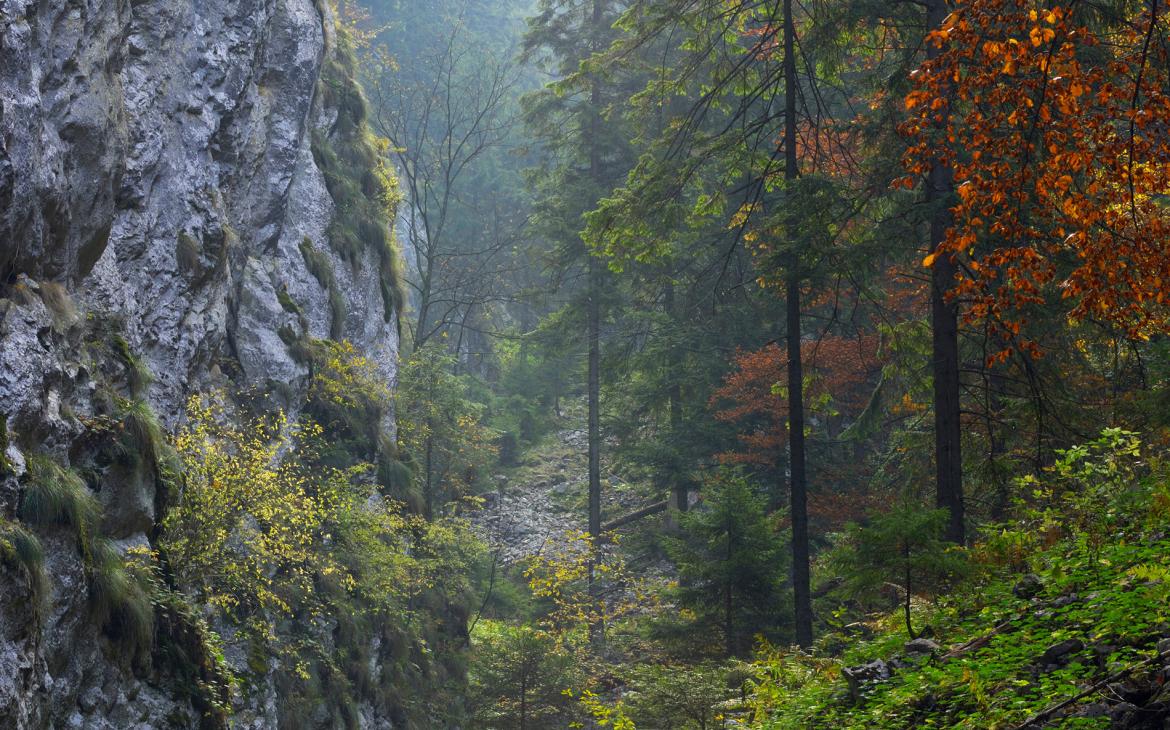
(728, 598)
(798, 491)
(596, 629)
(906, 603)
(523, 702)
(944, 319)
(678, 482)
(429, 479)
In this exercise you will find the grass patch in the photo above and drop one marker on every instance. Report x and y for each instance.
(59, 304)
(55, 496)
(5, 466)
(187, 254)
(20, 548)
(321, 268)
(358, 175)
(119, 601)
(138, 375)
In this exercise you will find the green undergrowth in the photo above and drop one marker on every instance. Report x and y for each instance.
(20, 548)
(1115, 608)
(1100, 550)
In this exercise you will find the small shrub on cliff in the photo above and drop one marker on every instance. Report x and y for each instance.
(349, 396)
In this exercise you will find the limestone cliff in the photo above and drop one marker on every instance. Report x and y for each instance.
(177, 197)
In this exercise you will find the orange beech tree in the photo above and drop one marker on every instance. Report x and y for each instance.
(1056, 122)
(839, 376)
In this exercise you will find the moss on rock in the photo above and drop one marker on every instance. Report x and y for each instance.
(358, 175)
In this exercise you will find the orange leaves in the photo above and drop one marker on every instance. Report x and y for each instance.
(1062, 158)
(1039, 36)
(838, 373)
(917, 98)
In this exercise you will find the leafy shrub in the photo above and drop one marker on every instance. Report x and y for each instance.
(283, 545)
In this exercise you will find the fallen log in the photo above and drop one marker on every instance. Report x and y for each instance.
(652, 509)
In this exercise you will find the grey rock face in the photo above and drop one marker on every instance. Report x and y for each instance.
(155, 160)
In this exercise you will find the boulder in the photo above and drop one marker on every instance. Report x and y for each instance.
(1028, 587)
(921, 645)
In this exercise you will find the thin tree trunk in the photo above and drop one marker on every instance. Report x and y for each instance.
(429, 486)
(678, 485)
(802, 595)
(944, 318)
(728, 602)
(596, 629)
(523, 702)
(906, 604)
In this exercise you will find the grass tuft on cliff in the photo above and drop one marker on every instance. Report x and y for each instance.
(119, 601)
(358, 174)
(56, 496)
(20, 548)
(321, 268)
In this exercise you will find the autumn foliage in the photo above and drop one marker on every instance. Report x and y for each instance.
(839, 375)
(1055, 124)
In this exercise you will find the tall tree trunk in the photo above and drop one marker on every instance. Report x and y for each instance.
(524, 701)
(944, 319)
(428, 485)
(798, 488)
(678, 482)
(906, 603)
(596, 629)
(728, 600)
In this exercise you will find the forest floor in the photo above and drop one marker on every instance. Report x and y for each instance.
(544, 499)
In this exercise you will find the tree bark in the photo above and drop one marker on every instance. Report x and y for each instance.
(596, 629)
(906, 604)
(523, 702)
(678, 483)
(944, 319)
(798, 489)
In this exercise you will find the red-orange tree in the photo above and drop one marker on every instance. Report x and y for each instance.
(1056, 122)
(839, 376)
